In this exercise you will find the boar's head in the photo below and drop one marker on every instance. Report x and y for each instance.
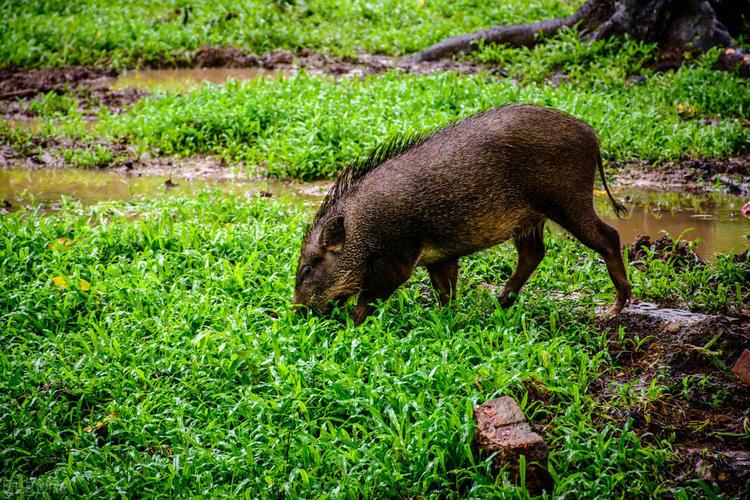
(326, 273)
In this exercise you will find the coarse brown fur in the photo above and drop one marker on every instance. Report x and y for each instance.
(429, 200)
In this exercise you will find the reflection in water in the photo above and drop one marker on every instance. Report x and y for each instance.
(714, 218)
(172, 80)
(723, 230)
(32, 124)
(21, 186)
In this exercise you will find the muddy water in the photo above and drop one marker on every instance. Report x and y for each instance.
(172, 80)
(715, 218)
(31, 124)
(48, 187)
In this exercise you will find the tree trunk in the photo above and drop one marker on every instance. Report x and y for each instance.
(673, 24)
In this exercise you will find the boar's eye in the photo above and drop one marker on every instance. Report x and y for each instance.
(304, 272)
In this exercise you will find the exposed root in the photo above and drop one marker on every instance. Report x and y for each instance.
(670, 23)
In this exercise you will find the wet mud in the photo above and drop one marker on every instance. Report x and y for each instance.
(699, 402)
(316, 62)
(689, 175)
(678, 253)
(89, 85)
(17, 83)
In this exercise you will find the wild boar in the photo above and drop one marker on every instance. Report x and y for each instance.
(428, 200)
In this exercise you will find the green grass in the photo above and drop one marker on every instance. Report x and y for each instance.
(310, 127)
(140, 358)
(149, 347)
(573, 57)
(44, 33)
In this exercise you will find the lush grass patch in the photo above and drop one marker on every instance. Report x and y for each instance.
(572, 58)
(44, 33)
(140, 357)
(310, 127)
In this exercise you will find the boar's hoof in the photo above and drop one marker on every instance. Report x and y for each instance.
(361, 313)
(614, 310)
(507, 299)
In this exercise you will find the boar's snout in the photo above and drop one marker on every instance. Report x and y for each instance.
(298, 306)
(302, 306)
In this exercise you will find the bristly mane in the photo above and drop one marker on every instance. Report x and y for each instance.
(349, 178)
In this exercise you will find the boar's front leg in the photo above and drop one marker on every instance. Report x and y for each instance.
(530, 248)
(444, 276)
(386, 274)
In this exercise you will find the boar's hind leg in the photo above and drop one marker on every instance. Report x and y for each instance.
(530, 247)
(444, 276)
(603, 239)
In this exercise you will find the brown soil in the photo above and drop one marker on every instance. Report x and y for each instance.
(222, 57)
(691, 174)
(125, 160)
(89, 85)
(679, 253)
(116, 100)
(316, 62)
(702, 405)
(15, 83)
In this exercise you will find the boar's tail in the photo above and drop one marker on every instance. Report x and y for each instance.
(620, 209)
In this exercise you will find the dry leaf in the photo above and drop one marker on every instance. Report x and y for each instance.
(60, 281)
(62, 243)
(686, 110)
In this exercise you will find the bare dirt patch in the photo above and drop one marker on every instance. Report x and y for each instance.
(690, 175)
(90, 85)
(678, 253)
(16, 83)
(319, 63)
(684, 360)
(122, 159)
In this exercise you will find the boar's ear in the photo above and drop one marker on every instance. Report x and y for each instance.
(332, 235)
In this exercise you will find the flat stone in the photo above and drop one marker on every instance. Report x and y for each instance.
(686, 338)
(502, 431)
(741, 367)
(675, 318)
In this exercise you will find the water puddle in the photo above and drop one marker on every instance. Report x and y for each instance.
(37, 125)
(31, 124)
(714, 218)
(21, 187)
(174, 80)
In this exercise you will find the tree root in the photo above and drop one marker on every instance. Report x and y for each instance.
(670, 23)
